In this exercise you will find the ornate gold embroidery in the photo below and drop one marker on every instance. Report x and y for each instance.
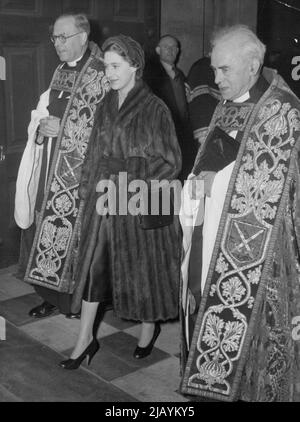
(64, 80)
(244, 244)
(234, 116)
(57, 232)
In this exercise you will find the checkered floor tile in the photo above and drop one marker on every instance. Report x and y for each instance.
(33, 349)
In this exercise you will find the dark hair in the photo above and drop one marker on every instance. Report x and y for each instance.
(117, 49)
(129, 49)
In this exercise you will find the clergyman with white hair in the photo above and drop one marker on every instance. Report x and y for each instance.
(240, 293)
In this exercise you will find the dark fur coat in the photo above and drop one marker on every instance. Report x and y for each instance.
(144, 264)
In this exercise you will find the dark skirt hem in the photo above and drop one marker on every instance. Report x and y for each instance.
(159, 318)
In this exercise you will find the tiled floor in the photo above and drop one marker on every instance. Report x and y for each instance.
(33, 348)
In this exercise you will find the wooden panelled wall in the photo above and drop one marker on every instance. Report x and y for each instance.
(24, 41)
(31, 59)
(194, 22)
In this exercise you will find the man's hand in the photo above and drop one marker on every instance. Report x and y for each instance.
(49, 127)
(201, 185)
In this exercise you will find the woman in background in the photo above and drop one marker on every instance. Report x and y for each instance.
(139, 269)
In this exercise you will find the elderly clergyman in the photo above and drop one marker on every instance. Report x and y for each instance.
(47, 206)
(241, 265)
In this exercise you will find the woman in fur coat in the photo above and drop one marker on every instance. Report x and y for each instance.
(134, 136)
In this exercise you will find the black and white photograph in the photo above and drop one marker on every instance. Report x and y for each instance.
(149, 203)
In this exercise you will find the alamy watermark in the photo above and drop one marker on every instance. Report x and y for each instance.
(296, 69)
(296, 329)
(137, 197)
(2, 69)
(2, 329)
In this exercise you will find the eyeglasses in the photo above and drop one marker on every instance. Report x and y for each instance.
(169, 47)
(62, 38)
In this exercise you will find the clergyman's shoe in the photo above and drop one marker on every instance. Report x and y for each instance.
(42, 311)
(73, 316)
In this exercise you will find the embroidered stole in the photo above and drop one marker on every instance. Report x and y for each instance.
(52, 258)
(243, 251)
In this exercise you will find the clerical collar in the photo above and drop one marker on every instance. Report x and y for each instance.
(255, 92)
(74, 63)
(242, 98)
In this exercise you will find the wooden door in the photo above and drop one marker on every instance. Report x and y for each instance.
(220, 13)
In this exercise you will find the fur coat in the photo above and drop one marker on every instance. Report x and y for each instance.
(144, 264)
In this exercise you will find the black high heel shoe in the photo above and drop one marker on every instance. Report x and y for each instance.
(89, 352)
(142, 352)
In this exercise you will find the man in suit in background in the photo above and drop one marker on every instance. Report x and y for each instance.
(168, 83)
